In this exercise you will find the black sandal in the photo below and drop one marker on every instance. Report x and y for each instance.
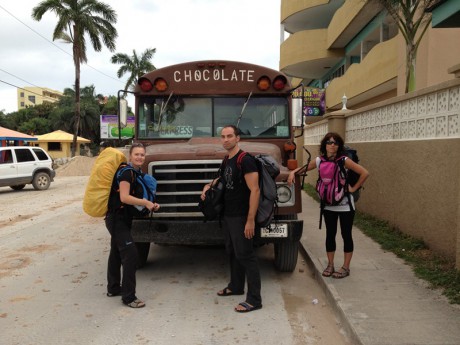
(247, 307)
(227, 292)
(342, 273)
(328, 271)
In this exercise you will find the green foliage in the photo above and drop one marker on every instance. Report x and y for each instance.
(111, 107)
(35, 126)
(4, 120)
(33, 120)
(439, 271)
(135, 66)
(63, 115)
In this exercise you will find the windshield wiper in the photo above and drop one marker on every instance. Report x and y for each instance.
(163, 108)
(242, 110)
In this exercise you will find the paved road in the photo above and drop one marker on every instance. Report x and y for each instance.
(52, 285)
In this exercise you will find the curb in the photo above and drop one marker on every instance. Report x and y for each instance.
(332, 297)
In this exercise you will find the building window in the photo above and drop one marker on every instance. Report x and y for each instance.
(22, 94)
(31, 99)
(54, 147)
(22, 104)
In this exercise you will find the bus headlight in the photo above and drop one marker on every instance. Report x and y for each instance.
(284, 194)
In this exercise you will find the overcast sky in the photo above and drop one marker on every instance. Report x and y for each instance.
(180, 30)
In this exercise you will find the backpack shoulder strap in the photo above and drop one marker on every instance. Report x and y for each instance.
(134, 174)
(341, 163)
(239, 159)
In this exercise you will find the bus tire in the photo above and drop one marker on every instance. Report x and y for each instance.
(286, 254)
(143, 249)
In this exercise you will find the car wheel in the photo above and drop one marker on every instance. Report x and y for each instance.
(18, 187)
(41, 181)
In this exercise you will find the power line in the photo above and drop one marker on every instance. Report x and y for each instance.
(18, 77)
(55, 44)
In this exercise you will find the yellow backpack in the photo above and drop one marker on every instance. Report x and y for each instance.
(100, 180)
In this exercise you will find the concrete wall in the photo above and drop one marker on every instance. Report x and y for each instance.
(410, 144)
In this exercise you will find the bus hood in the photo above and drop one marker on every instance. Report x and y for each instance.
(206, 148)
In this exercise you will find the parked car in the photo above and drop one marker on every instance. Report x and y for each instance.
(21, 165)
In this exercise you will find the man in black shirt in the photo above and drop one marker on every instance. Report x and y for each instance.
(241, 200)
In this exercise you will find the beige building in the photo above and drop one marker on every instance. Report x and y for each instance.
(408, 142)
(30, 96)
(59, 144)
(354, 48)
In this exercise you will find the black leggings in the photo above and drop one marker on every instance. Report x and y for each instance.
(346, 224)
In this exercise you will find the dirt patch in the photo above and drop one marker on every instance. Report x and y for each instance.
(12, 263)
(39, 248)
(77, 166)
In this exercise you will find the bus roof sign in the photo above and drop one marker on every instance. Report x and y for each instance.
(221, 77)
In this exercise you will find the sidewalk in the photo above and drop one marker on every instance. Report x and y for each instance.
(381, 302)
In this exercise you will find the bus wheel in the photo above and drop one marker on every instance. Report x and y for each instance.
(286, 254)
(143, 249)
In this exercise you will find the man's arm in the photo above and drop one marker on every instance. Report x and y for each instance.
(252, 181)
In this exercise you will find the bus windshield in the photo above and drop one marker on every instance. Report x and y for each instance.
(177, 117)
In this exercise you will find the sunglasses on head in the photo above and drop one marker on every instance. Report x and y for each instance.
(137, 145)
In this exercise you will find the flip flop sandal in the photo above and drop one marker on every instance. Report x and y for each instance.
(137, 303)
(247, 307)
(344, 272)
(328, 271)
(227, 292)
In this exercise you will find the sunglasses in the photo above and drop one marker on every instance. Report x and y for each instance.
(330, 142)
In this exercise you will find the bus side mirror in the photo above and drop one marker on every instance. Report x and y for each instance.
(123, 115)
(297, 112)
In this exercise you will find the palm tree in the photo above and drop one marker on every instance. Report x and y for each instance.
(135, 65)
(75, 19)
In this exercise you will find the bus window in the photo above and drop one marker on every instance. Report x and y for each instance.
(182, 117)
(262, 117)
(175, 118)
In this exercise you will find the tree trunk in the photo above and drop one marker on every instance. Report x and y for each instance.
(76, 59)
(410, 67)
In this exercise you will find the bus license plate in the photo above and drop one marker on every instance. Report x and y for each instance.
(275, 230)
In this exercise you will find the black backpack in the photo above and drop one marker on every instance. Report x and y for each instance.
(268, 171)
(213, 204)
(352, 177)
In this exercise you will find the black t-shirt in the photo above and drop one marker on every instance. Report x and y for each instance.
(134, 188)
(130, 177)
(236, 190)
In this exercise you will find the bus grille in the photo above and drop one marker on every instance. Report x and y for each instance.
(180, 185)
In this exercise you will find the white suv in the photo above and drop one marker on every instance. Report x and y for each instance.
(21, 165)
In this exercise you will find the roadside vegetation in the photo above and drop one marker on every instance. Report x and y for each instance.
(438, 271)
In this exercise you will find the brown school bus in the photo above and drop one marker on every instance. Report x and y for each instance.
(180, 111)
